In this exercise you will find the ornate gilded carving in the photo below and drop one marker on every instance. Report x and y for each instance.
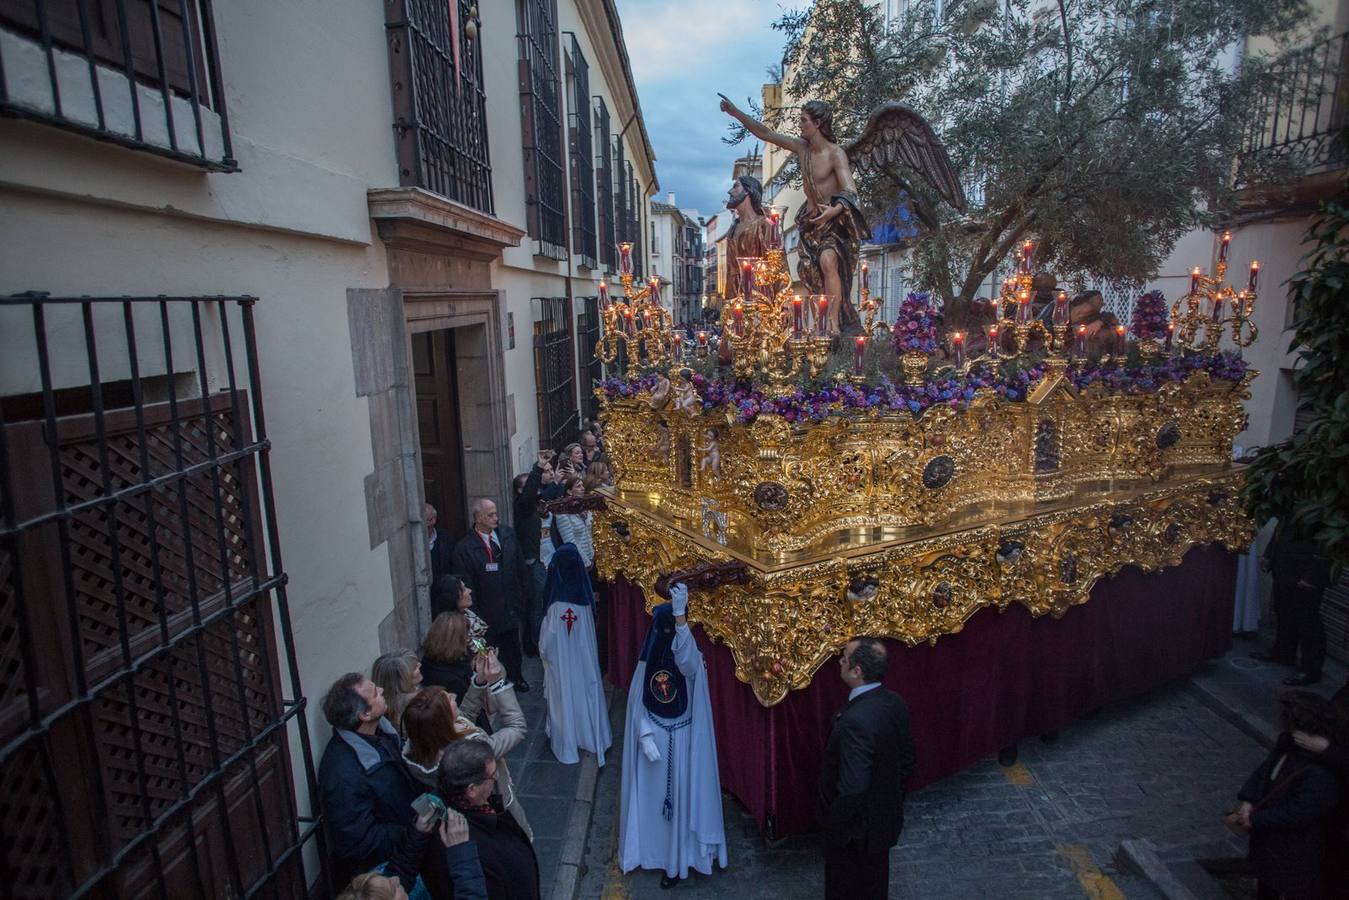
(790, 618)
(883, 523)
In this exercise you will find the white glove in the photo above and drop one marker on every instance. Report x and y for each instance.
(679, 599)
(649, 748)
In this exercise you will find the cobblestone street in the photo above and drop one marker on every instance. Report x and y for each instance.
(1162, 767)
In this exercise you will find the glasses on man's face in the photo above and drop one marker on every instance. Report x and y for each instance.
(487, 780)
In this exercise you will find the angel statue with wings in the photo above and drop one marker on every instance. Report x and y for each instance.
(830, 222)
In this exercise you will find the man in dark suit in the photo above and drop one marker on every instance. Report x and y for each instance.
(438, 546)
(1301, 577)
(868, 760)
(490, 562)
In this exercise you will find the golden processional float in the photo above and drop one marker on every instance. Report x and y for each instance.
(846, 502)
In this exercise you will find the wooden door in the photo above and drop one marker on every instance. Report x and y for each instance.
(438, 428)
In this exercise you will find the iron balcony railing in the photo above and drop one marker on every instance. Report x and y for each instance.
(143, 75)
(1302, 118)
(151, 704)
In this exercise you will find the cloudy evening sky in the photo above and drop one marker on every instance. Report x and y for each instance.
(683, 52)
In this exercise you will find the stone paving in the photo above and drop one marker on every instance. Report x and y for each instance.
(1163, 766)
(545, 786)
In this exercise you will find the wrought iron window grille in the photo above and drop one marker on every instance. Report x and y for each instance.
(582, 158)
(541, 115)
(555, 372)
(138, 74)
(590, 370)
(152, 690)
(604, 188)
(439, 101)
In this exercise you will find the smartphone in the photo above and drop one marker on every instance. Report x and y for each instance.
(428, 803)
(478, 646)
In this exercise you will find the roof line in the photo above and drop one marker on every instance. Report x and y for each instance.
(616, 30)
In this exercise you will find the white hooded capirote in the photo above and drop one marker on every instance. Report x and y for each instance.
(670, 807)
(578, 718)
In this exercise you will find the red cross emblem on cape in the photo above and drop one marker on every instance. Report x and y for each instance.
(570, 618)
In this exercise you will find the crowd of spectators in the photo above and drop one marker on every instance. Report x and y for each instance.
(417, 795)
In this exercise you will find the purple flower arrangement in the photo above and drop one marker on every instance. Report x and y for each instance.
(916, 327)
(1149, 322)
(948, 388)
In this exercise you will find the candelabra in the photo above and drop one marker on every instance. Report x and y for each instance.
(1016, 294)
(1211, 304)
(639, 324)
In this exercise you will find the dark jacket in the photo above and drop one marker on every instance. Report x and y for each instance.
(1288, 829)
(367, 800)
(452, 676)
(441, 556)
(1293, 561)
(525, 514)
(452, 872)
(867, 761)
(500, 597)
(508, 861)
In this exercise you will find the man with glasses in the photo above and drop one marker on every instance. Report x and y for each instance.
(467, 782)
(867, 761)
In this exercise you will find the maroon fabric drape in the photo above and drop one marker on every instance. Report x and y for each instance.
(1006, 676)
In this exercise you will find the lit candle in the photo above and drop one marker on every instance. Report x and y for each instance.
(1255, 275)
(822, 314)
(1170, 331)
(866, 278)
(1194, 280)
(1222, 247)
(1218, 308)
(1060, 308)
(702, 340)
(798, 316)
(1028, 251)
(604, 295)
(1080, 341)
(646, 318)
(625, 258)
(1023, 307)
(739, 314)
(746, 280)
(678, 344)
(1121, 341)
(958, 348)
(858, 351)
(993, 340)
(775, 230)
(628, 322)
(655, 292)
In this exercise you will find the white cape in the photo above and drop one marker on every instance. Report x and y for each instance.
(695, 835)
(578, 718)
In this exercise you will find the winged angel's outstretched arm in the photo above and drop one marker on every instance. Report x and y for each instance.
(759, 129)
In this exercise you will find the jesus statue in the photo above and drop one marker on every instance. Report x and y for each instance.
(830, 222)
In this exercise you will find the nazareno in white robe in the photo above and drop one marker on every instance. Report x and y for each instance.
(695, 835)
(578, 718)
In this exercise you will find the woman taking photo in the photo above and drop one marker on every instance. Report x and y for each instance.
(575, 528)
(446, 659)
(433, 721)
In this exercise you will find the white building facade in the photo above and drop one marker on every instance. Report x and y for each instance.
(384, 225)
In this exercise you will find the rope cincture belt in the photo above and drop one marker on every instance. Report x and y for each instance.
(667, 809)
